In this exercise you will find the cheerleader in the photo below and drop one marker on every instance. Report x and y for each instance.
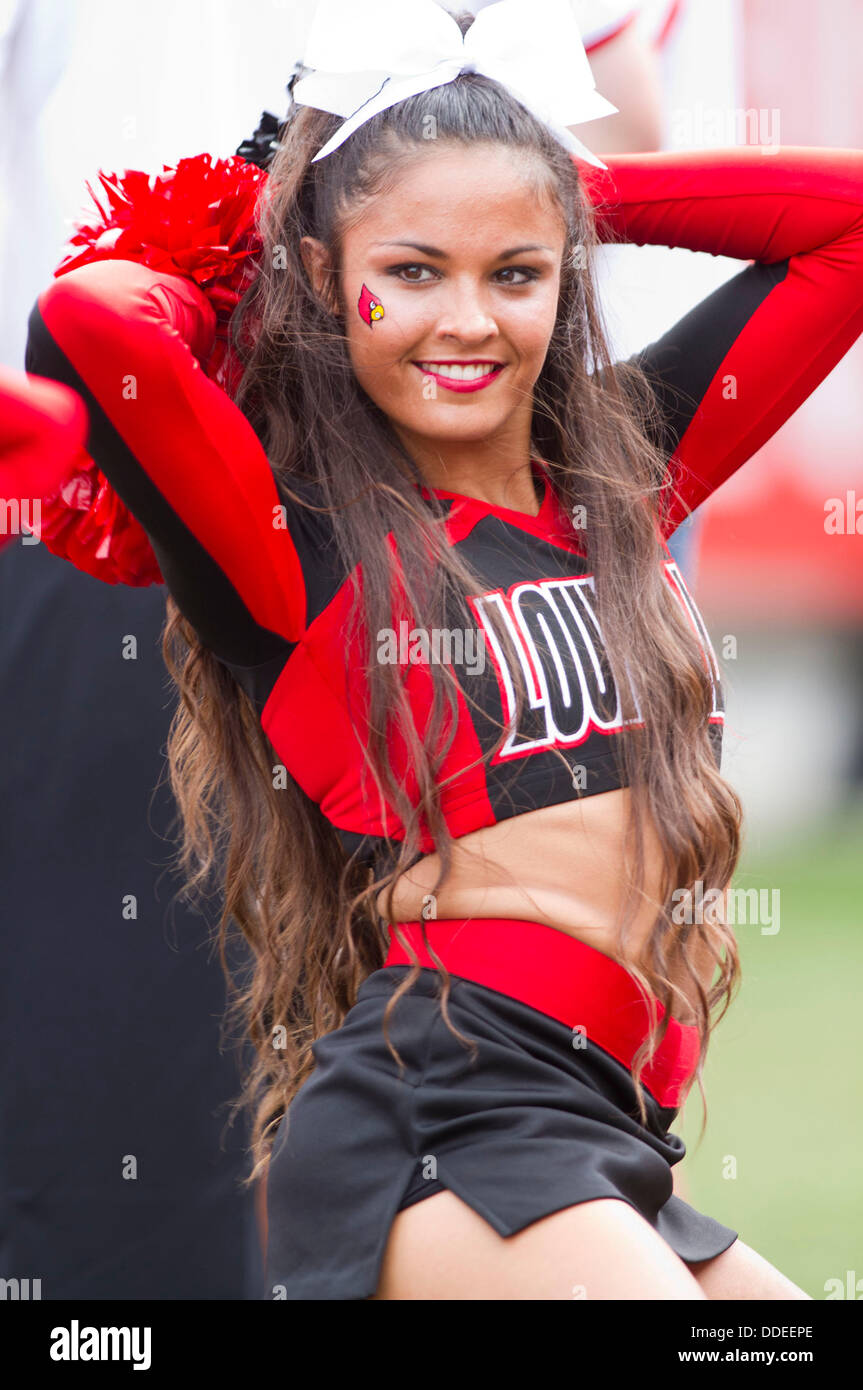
(43, 428)
(446, 704)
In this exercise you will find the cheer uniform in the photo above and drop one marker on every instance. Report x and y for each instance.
(546, 1117)
(43, 426)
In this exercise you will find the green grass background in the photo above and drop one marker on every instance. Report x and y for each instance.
(783, 1074)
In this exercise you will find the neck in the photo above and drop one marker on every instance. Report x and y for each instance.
(484, 470)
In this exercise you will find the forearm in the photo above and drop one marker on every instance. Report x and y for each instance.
(737, 201)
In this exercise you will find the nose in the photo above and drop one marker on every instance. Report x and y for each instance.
(467, 315)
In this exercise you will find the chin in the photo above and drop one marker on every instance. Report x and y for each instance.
(459, 433)
(450, 420)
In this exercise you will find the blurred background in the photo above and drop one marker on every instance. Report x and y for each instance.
(115, 84)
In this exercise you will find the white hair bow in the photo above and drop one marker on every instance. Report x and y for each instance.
(367, 55)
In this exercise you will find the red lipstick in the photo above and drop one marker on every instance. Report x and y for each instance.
(457, 384)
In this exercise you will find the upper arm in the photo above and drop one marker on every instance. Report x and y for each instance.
(738, 365)
(177, 451)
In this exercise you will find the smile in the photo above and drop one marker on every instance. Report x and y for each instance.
(461, 376)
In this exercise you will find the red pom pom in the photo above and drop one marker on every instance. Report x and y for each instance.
(196, 219)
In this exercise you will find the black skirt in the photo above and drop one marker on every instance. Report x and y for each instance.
(530, 1126)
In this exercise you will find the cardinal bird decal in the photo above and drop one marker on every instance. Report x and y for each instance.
(370, 308)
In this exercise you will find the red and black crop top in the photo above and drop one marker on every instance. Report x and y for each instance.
(271, 602)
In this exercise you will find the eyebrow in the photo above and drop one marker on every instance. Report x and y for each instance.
(442, 255)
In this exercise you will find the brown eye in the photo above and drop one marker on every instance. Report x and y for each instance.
(401, 272)
(524, 270)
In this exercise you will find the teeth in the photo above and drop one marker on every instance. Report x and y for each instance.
(469, 372)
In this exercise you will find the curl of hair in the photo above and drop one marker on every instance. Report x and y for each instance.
(309, 912)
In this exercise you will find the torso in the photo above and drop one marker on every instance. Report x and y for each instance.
(562, 865)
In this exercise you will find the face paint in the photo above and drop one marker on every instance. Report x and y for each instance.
(369, 307)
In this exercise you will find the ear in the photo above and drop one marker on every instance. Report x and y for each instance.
(321, 272)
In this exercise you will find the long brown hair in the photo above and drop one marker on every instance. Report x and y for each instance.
(305, 907)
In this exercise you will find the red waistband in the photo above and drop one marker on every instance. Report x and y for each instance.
(564, 978)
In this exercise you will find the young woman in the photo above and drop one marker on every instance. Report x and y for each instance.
(448, 714)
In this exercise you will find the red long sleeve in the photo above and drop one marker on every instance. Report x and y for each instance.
(732, 371)
(176, 448)
(43, 426)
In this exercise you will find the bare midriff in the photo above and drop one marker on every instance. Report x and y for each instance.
(567, 866)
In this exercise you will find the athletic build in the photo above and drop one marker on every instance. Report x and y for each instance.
(453, 280)
(255, 576)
